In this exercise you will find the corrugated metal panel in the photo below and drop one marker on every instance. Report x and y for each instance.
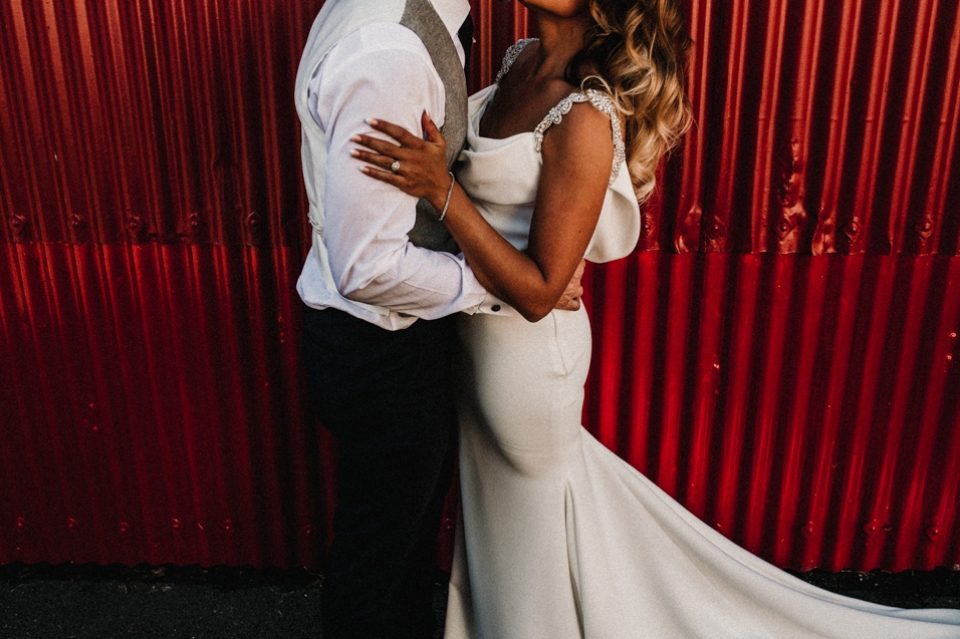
(153, 227)
(808, 407)
(151, 121)
(154, 411)
(170, 122)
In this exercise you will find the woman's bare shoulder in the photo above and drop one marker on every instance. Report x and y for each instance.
(575, 117)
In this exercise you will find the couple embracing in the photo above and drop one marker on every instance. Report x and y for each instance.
(443, 313)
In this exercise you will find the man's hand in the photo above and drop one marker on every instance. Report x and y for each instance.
(570, 300)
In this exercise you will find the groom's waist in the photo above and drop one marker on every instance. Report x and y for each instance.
(317, 290)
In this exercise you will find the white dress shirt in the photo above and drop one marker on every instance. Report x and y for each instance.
(382, 70)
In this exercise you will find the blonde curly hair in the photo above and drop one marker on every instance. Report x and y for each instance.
(636, 53)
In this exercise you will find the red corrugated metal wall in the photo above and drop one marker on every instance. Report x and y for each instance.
(779, 354)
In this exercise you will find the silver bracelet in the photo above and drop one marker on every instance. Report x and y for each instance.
(446, 204)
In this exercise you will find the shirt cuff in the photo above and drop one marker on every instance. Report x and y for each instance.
(493, 305)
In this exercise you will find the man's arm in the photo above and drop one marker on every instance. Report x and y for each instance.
(367, 222)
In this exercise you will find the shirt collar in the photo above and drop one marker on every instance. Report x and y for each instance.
(453, 13)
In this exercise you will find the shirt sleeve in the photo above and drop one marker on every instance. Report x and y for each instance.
(381, 72)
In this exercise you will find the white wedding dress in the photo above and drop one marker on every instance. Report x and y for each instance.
(559, 537)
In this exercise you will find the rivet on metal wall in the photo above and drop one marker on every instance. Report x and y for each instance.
(809, 530)
(71, 524)
(228, 526)
(933, 532)
(852, 230)
(690, 228)
(872, 528)
(647, 225)
(254, 221)
(195, 222)
(176, 524)
(21, 523)
(18, 223)
(124, 528)
(715, 228)
(789, 196)
(925, 228)
(136, 225)
(77, 223)
(784, 227)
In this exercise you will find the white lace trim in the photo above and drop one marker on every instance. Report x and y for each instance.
(600, 101)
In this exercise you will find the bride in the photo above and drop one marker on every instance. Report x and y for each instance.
(559, 537)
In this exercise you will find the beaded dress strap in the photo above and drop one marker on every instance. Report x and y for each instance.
(511, 56)
(600, 101)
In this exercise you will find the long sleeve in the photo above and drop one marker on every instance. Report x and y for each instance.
(384, 71)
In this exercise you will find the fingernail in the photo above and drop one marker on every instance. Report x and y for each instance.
(355, 153)
(355, 138)
(373, 121)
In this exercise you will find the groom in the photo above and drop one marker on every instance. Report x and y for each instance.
(381, 284)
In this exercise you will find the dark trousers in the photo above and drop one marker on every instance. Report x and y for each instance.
(387, 398)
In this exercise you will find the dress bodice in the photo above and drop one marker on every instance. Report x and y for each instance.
(501, 175)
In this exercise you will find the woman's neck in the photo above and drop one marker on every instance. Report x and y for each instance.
(560, 39)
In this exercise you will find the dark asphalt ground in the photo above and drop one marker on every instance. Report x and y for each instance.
(87, 602)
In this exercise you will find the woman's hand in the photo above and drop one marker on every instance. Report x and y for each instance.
(415, 166)
(570, 300)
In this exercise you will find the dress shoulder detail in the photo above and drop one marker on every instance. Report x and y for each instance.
(511, 56)
(600, 101)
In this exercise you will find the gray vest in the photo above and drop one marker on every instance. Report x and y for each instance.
(340, 18)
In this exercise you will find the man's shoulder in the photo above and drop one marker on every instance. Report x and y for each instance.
(389, 42)
(383, 63)
(389, 54)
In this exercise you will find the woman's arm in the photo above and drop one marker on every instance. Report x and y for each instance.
(577, 159)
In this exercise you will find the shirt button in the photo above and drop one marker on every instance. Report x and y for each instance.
(495, 308)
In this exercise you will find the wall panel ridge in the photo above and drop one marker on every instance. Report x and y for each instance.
(168, 122)
(780, 353)
(821, 133)
(171, 122)
(805, 406)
